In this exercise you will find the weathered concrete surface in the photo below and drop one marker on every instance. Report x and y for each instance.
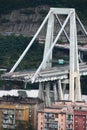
(27, 21)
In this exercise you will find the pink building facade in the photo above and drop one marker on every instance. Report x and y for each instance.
(51, 119)
(62, 116)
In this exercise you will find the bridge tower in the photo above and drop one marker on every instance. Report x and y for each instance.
(74, 76)
(74, 81)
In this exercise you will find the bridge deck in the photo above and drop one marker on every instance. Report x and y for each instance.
(51, 74)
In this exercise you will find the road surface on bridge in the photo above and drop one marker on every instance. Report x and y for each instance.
(54, 73)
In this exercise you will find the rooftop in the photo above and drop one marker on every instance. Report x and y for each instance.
(20, 92)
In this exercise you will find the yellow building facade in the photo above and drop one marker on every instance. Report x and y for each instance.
(12, 115)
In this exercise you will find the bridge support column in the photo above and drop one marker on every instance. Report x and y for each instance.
(47, 90)
(49, 41)
(60, 90)
(64, 89)
(55, 92)
(71, 88)
(80, 56)
(41, 91)
(78, 90)
(74, 63)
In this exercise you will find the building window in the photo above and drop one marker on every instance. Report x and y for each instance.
(47, 119)
(69, 125)
(47, 125)
(69, 117)
(29, 120)
(30, 110)
(61, 114)
(56, 115)
(29, 115)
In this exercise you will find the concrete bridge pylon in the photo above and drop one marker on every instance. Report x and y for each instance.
(74, 77)
(74, 81)
(50, 41)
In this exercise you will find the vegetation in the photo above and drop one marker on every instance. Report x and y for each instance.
(7, 5)
(11, 47)
(27, 11)
(43, 12)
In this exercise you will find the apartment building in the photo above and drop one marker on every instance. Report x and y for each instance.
(80, 119)
(11, 115)
(21, 98)
(63, 116)
(51, 119)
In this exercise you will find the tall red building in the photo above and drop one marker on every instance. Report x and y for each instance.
(80, 120)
